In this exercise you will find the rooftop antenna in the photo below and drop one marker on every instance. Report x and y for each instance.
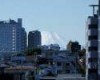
(94, 6)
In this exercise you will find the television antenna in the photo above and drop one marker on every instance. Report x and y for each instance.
(94, 7)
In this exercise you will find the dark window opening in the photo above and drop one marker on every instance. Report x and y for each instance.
(67, 71)
(93, 26)
(92, 37)
(67, 64)
(59, 63)
(92, 48)
(92, 71)
(92, 59)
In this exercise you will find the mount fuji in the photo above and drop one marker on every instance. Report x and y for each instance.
(52, 38)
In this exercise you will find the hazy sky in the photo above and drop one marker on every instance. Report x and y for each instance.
(65, 17)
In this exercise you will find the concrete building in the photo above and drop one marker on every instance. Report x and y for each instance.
(12, 36)
(34, 39)
(62, 61)
(92, 47)
(18, 73)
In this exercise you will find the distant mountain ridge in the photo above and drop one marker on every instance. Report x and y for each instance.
(52, 38)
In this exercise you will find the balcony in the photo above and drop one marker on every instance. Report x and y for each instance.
(92, 65)
(92, 54)
(93, 32)
(93, 43)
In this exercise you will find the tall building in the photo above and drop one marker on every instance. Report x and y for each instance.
(12, 36)
(34, 39)
(92, 48)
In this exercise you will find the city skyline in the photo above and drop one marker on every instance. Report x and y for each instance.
(50, 15)
(50, 40)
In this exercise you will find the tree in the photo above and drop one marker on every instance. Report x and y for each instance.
(33, 51)
(74, 46)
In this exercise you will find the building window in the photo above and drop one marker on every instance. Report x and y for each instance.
(67, 64)
(92, 60)
(13, 42)
(92, 37)
(67, 71)
(13, 36)
(13, 39)
(59, 71)
(58, 63)
(92, 71)
(13, 45)
(92, 48)
(13, 33)
(93, 26)
(13, 48)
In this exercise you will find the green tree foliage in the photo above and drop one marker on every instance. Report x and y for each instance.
(82, 52)
(73, 46)
(33, 51)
